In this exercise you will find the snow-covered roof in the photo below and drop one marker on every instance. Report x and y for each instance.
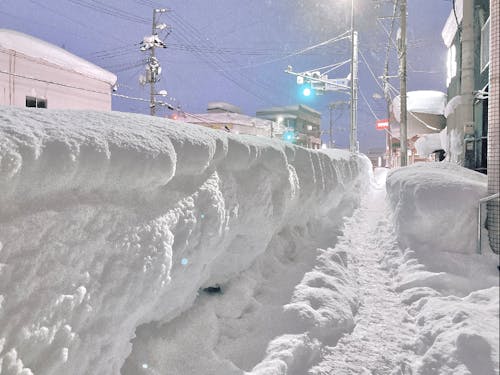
(42, 50)
(223, 106)
(450, 27)
(226, 118)
(421, 101)
(290, 108)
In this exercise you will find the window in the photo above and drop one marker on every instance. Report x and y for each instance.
(451, 64)
(485, 45)
(33, 102)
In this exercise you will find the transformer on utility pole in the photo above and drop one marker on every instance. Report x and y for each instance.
(153, 68)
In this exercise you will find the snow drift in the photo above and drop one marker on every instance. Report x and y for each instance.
(452, 293)
(112, 220)
(435, 205)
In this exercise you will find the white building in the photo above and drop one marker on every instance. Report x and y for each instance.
(227, 117)
(34, 73)
(234, 123)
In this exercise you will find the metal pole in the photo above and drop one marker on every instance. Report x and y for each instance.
(353, 144)
(402, 75)
(152, 90)
(331, 126)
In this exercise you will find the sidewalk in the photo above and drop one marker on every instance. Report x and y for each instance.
(383, 329)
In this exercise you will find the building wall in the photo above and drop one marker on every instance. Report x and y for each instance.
(22, 76)
(469, 122)
(300, 118)
(494, 127)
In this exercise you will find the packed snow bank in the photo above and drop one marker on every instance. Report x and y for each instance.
(421, 101)
(451, 292)
(428, 143)
(435, 205)
(112, 220)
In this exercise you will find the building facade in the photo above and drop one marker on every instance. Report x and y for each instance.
(227, 117)
(466, 34)
(34, 73)
(472, 35)
(302, 124)
(494, 128)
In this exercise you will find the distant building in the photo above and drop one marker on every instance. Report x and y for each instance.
(425, 115)
(377, 156)
(227, 117)
(222, 107)
(300, 120)
(34, 73)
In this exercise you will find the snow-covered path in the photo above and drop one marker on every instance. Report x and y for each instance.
(362, 306)
(383, 329)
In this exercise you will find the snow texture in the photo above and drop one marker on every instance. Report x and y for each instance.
(453, 105)
(49, 53)
(421, 101)
(111, 221)
(454, 19)
(451, 292)
(420, 197)
(365, 305)
(428, 143)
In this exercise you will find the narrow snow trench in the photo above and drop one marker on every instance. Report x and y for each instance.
(296, 311)
(380, 341)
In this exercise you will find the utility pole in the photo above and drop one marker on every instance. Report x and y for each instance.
(152, 59)
(331, 107)
(353, 139)
(402, 78)
(330, 142)
(153, 68)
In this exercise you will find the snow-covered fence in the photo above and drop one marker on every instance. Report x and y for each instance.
(112, 220)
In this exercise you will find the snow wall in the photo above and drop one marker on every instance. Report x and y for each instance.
(451, 291)
(435, 205)
(112, 220)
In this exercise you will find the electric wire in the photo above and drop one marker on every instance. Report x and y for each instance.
(301, 51)
(109, 10)
(52, 82)
(216, 62)
(371, 70)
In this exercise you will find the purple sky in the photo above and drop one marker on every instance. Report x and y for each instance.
(236, 51)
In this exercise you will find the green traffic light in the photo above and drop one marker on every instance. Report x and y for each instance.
(306, 91)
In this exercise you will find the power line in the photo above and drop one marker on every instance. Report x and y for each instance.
(301, 51)
(368, 104)
(52, 82)
(110, 10)
(72, 20)
(371, 71)
(214, 61)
